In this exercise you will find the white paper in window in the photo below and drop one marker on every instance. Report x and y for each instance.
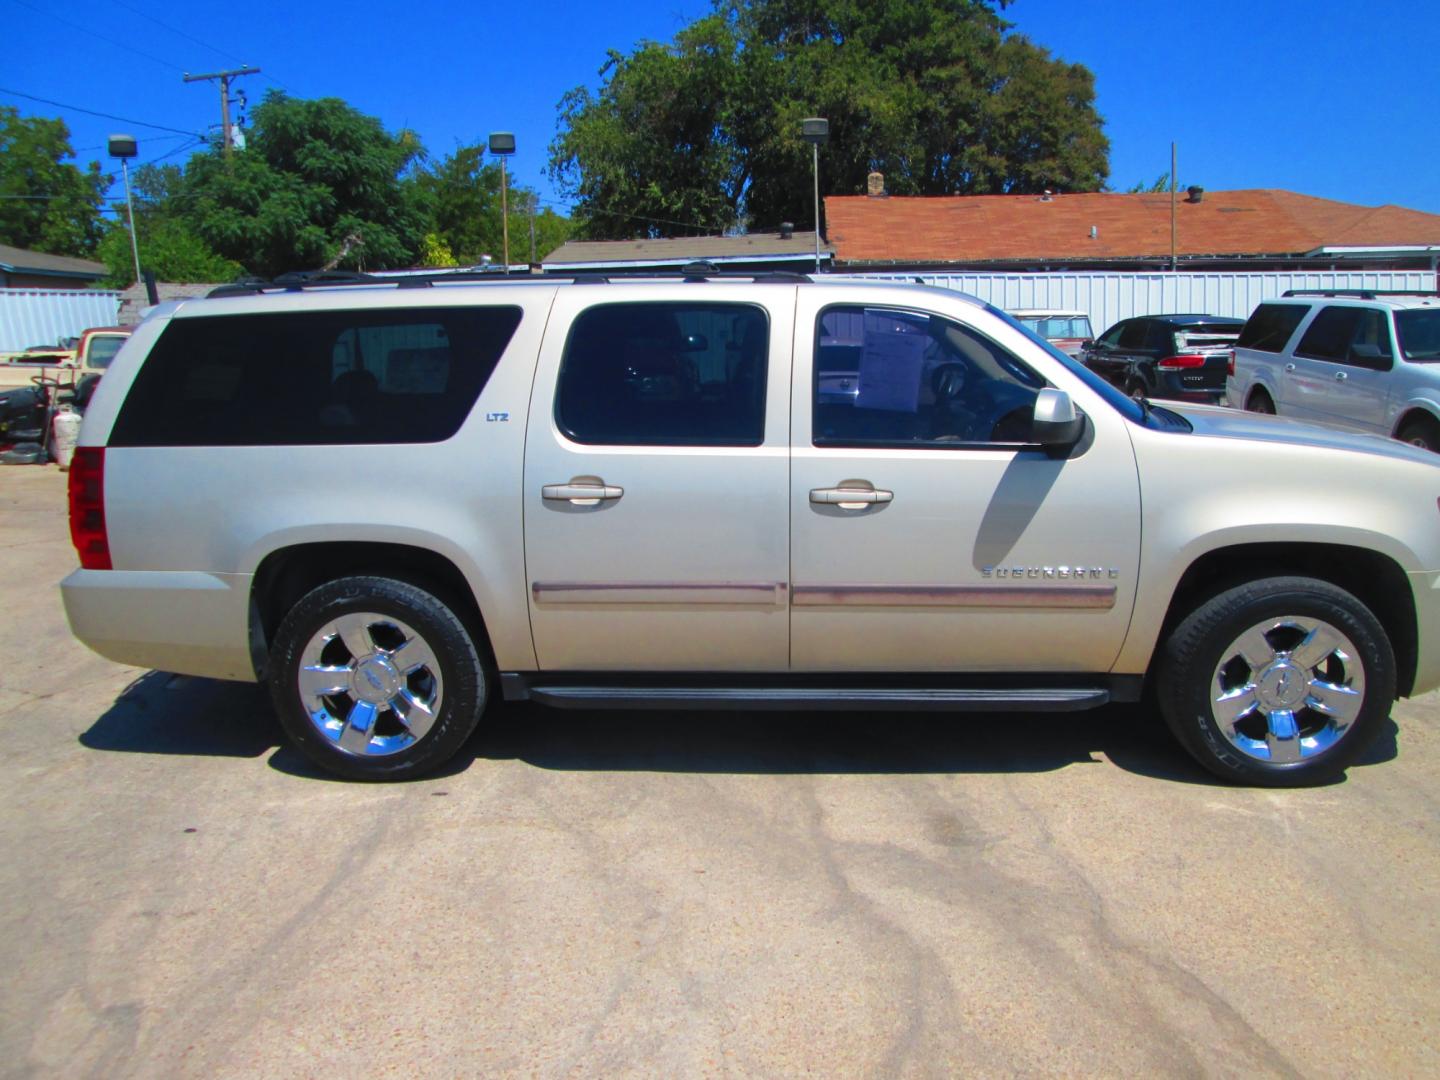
(892, 363)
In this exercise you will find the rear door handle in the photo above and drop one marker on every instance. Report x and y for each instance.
(1289, 367)
(581, 494)
(1341, 376)
(850, 498)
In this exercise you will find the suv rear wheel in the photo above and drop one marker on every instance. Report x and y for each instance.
(1281, 682)
(1260, 403)
(376, 679)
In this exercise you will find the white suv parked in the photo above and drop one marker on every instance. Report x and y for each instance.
(1363, 360)
(394, 500)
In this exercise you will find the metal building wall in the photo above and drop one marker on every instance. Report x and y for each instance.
(1110, 297)
(46, 316)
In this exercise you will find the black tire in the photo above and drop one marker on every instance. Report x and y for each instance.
(1260, 402)
(1420, 432)
(460, 670)
(1186, 678)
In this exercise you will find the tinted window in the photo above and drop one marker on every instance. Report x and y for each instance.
(1419, 332)
(1269, 327)
(1337, 330)
(665, 374)
(888, 378)
(308, 378)
(1135, 334)
(1329, 336)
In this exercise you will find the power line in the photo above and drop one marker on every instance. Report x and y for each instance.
(97, 34)
(189, 37)
(92, 112)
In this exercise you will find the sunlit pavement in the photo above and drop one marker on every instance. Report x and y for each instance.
(681, 895)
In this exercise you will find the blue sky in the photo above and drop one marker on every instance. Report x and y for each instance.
(1326, 97)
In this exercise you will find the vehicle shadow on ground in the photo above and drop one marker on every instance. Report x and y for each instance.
(166, 714)
(160, 713)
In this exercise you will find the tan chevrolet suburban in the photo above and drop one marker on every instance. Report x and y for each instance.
(396, 499)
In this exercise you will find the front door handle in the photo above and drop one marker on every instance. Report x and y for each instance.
(850, 498)
(1341, 376)
(581, 491)
(1289, 367)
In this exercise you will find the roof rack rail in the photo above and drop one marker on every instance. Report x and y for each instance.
(299, 280)
(1360, 294)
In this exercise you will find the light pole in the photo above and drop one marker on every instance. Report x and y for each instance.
(124, 147)
(502, 144)
(816, 131)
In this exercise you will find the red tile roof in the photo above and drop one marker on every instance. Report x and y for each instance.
(975, 228)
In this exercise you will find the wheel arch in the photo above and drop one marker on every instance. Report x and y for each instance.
(288, 573)
(1374, 578)
(1416, 410)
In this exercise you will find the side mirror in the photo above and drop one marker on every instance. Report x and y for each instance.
(1056, 425)
(1367, 355)
(1088, 343)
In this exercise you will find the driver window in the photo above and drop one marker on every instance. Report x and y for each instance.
(902, 378)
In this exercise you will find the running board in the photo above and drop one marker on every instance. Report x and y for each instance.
(790, 698)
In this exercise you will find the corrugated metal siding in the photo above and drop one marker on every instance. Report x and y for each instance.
(45, 316)
(1108, 298)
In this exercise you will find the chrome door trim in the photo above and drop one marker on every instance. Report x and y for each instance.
(1099, 597)
(757, 593)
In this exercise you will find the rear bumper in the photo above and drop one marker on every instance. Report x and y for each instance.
(187, 622)
(1188, 386)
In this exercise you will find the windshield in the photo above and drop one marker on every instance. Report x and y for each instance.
(1419, 332)
(103, 350)
(1057, 327)
(1121, 403)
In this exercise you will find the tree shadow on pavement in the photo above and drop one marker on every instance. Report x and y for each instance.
(167, 714)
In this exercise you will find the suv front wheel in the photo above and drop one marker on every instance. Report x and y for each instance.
(376, 679)
(1281, 682)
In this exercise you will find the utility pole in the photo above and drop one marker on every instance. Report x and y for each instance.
(1174, 264)
(224, 77)
(533, 197)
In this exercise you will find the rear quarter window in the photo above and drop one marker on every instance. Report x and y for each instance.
(1270, 326)
(314, 378)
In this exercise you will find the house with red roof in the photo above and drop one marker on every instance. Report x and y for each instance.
(1256, 229)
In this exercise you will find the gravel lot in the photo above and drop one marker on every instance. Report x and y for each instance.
(681, 895)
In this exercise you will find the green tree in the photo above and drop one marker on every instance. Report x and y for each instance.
(319, 183)
(168, 247)
(703, 134)
(46, 204)
(460, 198)
(1160, 186)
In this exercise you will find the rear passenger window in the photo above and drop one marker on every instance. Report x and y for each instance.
(312, 378)
(1134, 335)
(1336, 329)
(665, 374)
(1269, 327)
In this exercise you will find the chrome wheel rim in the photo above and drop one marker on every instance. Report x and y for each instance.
(1287, 689)
(370, 684)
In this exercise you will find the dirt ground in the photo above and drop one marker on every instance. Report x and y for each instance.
(696, 894)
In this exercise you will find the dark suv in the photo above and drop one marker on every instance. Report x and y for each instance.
(1183, 357)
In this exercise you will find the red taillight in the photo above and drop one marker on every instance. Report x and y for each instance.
(1230, 366)
(1173, 363)
(87, 508)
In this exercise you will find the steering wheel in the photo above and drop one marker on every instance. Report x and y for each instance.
(947, 382)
